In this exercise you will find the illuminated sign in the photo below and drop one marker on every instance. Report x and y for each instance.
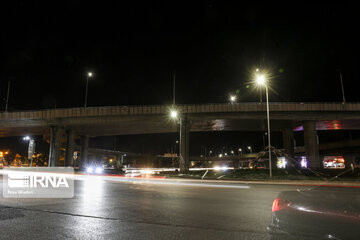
(334, 162)
(303, 162)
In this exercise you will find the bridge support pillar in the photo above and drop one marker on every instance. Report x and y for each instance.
(119, 161)
(184, 145)
(84, 150)
(288, 141)
(70, 147)
(311, 144)
(236, 163)
(116, 161)
(55, 144)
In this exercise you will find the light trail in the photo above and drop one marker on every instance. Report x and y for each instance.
(157, 182)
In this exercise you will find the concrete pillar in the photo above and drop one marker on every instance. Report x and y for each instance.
(288, 141)
(70, 148)
(184, 145)
(118, 161)
(121, 157)
(236, 163)
(55, 144)
(349, 159)
(311, 144)
(84, 150)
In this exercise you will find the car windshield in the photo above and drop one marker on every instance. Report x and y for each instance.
(179, 120)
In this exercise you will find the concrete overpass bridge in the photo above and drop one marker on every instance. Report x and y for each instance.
(122, 120)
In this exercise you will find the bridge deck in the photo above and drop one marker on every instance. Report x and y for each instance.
(117, 120)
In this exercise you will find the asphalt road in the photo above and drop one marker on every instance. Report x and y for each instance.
(104, 208)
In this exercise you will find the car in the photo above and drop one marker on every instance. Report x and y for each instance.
(319, 213)
(94, 169)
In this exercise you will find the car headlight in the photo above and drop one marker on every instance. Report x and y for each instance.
(98, 170)
(89, 170)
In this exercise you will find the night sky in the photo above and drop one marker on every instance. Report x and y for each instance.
(134, 48)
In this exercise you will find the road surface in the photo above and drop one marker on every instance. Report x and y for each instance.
(104, 208)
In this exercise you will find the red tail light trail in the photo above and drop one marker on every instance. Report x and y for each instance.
(279, 204)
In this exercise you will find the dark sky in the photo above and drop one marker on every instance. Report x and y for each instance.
(133, 49)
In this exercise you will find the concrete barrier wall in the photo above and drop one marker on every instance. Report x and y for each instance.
(162, 109)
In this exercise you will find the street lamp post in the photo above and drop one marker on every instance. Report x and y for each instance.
(174, 114)
(260, 79)
(342, 86)
(176, 148)
(7, 97)
(89, 75)
(31, 148)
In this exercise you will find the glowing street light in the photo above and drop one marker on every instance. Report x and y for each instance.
(261, 81)
(232, 99)
(173, 114)
(249, 148)
(89, 75)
